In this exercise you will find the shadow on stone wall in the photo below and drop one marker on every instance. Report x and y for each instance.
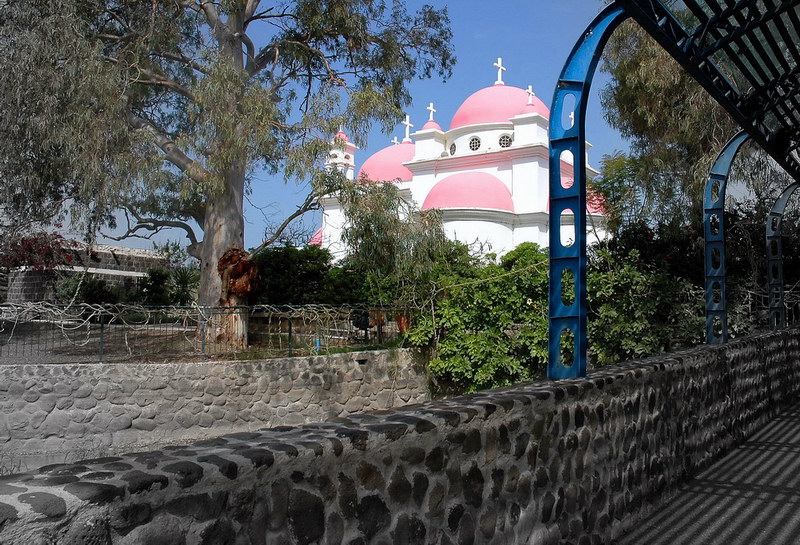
(572, 461)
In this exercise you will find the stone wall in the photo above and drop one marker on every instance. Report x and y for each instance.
(30, 285)
(57, 412)
(572, 461)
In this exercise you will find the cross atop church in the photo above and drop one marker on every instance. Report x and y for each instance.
(531, 94)
(408, 125)
(500, 70)
(432, 110)
(395, 141)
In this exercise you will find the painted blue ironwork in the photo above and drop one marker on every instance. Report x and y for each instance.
(745, 54)
(714, 235)
(777, 308)
(568, 133)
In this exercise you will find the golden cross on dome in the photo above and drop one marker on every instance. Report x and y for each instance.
(432, 110)
(500, 70)
(408, 125)
(531, 94)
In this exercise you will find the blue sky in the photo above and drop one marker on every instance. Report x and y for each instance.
(533, 37)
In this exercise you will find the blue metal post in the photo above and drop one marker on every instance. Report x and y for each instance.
(714, 235)
(574, 84)
(777, 308)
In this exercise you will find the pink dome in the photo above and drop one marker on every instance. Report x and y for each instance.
(431, 124)
(316, 239)
(496, 104)
(386, 165)
(470, 190)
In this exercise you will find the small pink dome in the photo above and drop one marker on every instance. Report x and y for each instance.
(316, 239)
(431, 124)
(496, 104)
(386, 165)
(470, 190)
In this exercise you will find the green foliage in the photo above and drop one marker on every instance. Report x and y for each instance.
(155, 288)
(396, 248)
(637, 310)
(675, 129)
(184, 282)
(300, 276)
(489, 325)
(168, 109)
(84, 288)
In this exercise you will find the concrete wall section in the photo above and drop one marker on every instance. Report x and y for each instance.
(543, 463)
(91, 409)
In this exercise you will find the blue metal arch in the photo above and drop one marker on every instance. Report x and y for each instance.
(714, 235)
(574, 84)
(775, 287)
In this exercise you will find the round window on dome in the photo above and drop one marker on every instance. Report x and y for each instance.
(474, 143)
(452, 149)
(505, 141)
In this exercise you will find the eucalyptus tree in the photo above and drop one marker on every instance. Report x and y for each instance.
(168, 109)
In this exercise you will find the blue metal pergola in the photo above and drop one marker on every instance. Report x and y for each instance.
(746, 54)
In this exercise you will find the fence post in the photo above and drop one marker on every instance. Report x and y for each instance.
(102, 338)
(202, 332)
(290, 336)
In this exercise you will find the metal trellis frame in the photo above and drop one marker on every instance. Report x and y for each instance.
(714, 236)
(568, 134)
(775, 284)
(746, 54)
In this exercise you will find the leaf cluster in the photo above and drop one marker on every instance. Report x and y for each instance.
(488, 326)
(301, 276)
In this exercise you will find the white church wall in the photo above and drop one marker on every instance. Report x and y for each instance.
(488, 134)
(529, 129)
(333, 222)
(527, 193)
(494, 236)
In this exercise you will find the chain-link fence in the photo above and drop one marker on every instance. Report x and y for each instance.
(46, 333)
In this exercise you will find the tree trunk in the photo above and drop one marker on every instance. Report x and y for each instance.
(225, 272)
(223, 231)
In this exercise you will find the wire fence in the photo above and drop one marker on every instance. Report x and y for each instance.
(38, 333)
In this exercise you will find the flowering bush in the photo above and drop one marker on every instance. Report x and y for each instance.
(39, 251)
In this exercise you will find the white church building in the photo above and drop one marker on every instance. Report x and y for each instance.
(487, 172)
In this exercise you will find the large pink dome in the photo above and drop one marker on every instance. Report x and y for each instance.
(386, 165)
(470, 190)
(496, 104)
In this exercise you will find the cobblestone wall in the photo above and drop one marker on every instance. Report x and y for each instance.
(548, 462)
(63, 411)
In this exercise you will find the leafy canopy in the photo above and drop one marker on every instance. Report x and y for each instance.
(156, 106)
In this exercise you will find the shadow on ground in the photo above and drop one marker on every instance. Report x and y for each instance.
(752, 496)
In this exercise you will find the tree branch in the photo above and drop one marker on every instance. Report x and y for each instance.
(311, 203)
(154, 78)
(250, 10)
(155, 226)
(181, 58)
(172, 152)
